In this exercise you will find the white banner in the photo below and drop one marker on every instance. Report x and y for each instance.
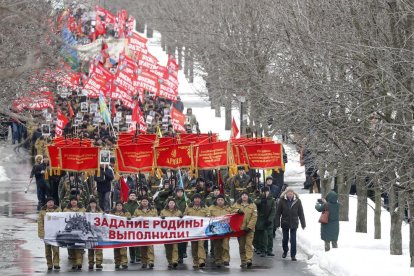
(92, 230)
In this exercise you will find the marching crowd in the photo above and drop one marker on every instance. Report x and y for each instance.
(266, 206)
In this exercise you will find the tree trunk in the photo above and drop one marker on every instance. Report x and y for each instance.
(396, 211)
(361, 220)
(163, 43)
(180, 55)
(186, 61)
(325, 183)
(150, 32)
(140, 27)
(343, 195)
(227, 115)
(411, 217)
(191, 65)
(377, 216)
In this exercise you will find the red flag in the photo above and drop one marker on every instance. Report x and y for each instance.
(71, 113)
(234, 129)
(178, 120)
(220, 182)
(124, 190)
(61, 122)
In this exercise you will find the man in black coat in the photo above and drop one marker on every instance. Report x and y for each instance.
(289, 212)
(103, 184)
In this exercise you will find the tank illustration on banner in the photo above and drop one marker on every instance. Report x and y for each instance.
(78, 233)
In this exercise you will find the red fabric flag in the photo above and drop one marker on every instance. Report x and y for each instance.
(178, 120)
(234, 129)
(220, 182)
(61, 122)
(124, 189)
(71, 113)
(99, 27)
(113, 109)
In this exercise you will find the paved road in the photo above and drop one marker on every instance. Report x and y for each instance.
(21, 252)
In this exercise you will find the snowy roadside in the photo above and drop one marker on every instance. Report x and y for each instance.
(358, 253)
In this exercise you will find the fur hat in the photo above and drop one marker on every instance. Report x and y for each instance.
(197, 195)
(132, 192)
(93, 200)
(220, 196)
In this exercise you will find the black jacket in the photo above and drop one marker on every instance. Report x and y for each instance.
(288, 215)
(103, 182)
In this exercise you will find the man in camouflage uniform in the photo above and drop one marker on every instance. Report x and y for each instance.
(75, 255)
(147, 252)
(120, 254)
(130, 206)
(238, 183)
(181, 203)
(51, 252)
(171, 250)
(94, 254)
(197, 209)
(245, 205)
(218, 209)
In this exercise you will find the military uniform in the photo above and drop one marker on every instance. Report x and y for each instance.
(120, 254)
(220, 246)
(211, 198)
(147, 252)
(181, 204)
(134, 252)
(171, 250)
(197, 247)
(238, 184)
(51, 252)
(75, 255)
(162, 197)
(249, 222)
(266, 211)
(95, 255)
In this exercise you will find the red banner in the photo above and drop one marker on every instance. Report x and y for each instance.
(54, 159)
(120, 165)
(138, 157)
(173, 156)
(79, 158)
(213, 155)
(264, 156)
(177, 120)
(61, 122)
(137, 43)
(147, 81)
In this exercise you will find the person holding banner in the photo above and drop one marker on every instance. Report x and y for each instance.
(171, 250)
(181, 203)
(75, 255)
(103, 184)
(147, 252)
(120, 254)
(38, 171)
(51, 252)
(130, 206)
(94, 254)
(220, 246)
(246, 206)
(197, 209)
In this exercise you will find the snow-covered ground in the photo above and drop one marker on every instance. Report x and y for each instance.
(3, 176)
(358, 253)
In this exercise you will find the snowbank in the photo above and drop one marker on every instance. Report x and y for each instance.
(3, 176)
(358, 253)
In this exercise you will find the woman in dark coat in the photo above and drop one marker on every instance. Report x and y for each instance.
(330, 231)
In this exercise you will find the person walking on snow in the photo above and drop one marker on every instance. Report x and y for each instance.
(330, 231)
(288, 214)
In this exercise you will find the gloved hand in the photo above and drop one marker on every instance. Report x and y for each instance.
(303, 227)
(247, 229)
(181, 216)
(240, 211)
(128, 218)
(162, 217)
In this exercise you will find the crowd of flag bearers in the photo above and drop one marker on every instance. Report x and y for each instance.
(258, 207)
